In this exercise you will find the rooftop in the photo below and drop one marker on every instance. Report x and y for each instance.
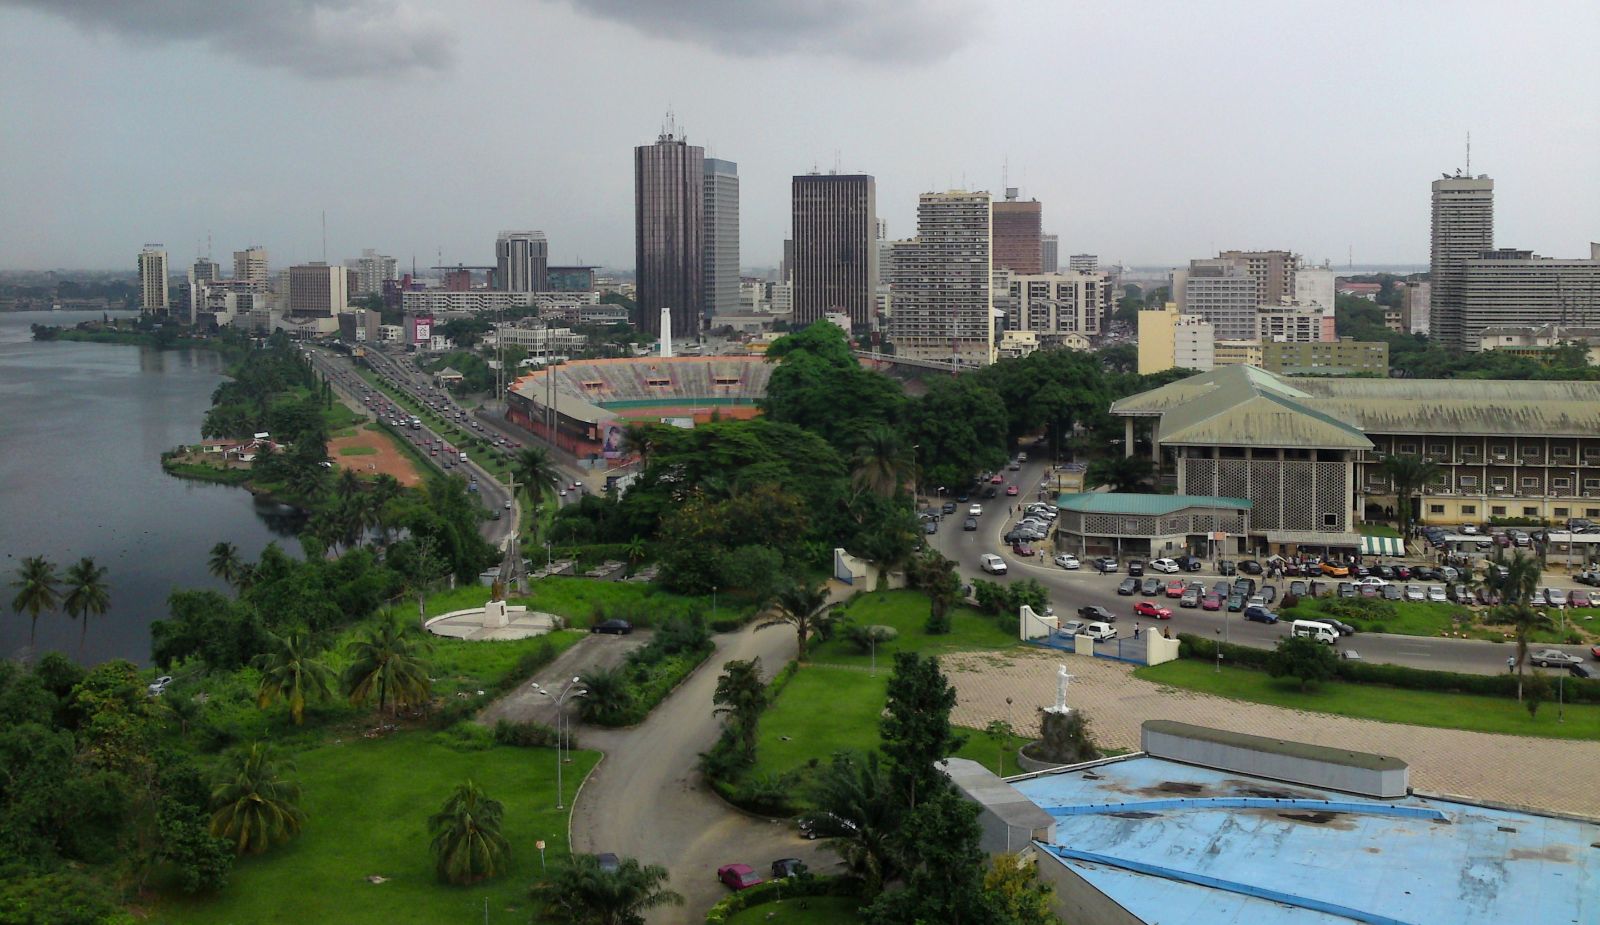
(1131, 503)
(1173, 842)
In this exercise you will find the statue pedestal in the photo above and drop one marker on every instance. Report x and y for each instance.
(494, 614)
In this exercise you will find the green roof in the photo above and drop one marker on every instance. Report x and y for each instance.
(1114, 503)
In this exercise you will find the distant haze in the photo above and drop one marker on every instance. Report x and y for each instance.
(1152, 132)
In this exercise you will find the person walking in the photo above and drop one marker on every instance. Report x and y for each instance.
(1511, 664)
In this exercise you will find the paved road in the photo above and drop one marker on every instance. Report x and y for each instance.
(524, 704)
(646, 800)
(1070, 590)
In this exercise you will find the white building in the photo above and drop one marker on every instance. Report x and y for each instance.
(1314, 286)
(1221, 292)
(719, 260)
(522, 261)
(1193, 343)
(373, 270)
(251, 264)
(1052, 304)
(1296, 324)
(943, 309)
(153, 293)
(538, 339)
(317, 290)
(440, 301)
(1083, 263)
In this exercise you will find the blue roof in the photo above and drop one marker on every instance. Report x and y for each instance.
(1176, 843)
(1101, 502)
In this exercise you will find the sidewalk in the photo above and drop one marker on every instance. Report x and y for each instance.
(1548, 774)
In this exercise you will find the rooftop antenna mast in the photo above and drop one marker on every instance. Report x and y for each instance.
(324, 235)
(1469, 152)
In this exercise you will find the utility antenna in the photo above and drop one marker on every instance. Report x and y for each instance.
(208, 244)
(1469, 152)
(1351, 258)
(324, 235)
(1005, 171)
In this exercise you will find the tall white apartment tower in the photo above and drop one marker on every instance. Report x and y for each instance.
(373, 270)
(153, 298)
(250, 264)
(942, 282)
(522, 261)
(1462, 230)
(719, 259)
(1049, 253)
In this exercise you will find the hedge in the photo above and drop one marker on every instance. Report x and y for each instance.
(1578, 690)
(774, 890)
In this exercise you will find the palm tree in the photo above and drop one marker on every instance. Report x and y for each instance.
(609, 694)
(1516, 584)
(1410, 474)
(638, 439)
(467, 844)
(253, 805)
(853, 805)
(635, 550)
(226, 563)
(385, 488)
(741, 695)
(291, 671)
(1122, 473)
(87, 594)
(805, 607)
(348, 485)
(386, 665)
(880, 463)
(38, 590)
(536, 470)
(583, 892)
(1524, 620)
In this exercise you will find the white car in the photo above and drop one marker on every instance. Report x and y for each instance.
(1436, 594)
(1469, 529)
(1166, 566)
(159, 686)
(1415, 593)
(1556, 597)
(975, 511)
(1098, 631)
(1067, 560)
(1371, 581)
(993, 564)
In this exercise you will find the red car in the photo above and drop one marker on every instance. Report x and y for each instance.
(739, 876)
(1011, 490)
(1151, 609)
(1022, 549)
(1211, 602)
(1595, 651)
(997, 480)
(1176, 587)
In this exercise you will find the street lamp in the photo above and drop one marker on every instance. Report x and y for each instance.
(914, 448)
(570, 690)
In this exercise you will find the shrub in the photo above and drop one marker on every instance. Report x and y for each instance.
(526, 735)
(466, 737)
(766, 794)
(804, 885)
(865, 637)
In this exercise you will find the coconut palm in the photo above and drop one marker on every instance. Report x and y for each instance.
(584, 892)
(881, 462)
(741, 695)
(1523, 620)
(854, 806)
(87, 594)
(291, 671)
(803, 606)
(253, 805)
(638, 439)
(38, 590)
(635, 550)
(347, 485)
(536, 470)
(226, 563)
(385, 488)
(608, 693)
(1410, 474)
(386, 665)
(467, 844)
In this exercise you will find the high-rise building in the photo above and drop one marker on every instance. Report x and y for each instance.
(1414, 312)
(317, 290)
(1462, 229)
(372, 270)
(720, 223)
(522, 260)
(942, 304)
(835, 267)
(1052, 305)
(153, 294)
(1083, 263)
(1507, 287)
(250, 264)
(786, 264)
(1273, 272)
(1049, 253)
(668, 204)
(1017, 234)
(1313, 286)
(206, 270)
(1221, 292)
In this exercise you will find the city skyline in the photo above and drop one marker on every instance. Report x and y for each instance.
(380, 119)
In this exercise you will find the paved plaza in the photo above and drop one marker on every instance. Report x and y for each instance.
(1547, 774)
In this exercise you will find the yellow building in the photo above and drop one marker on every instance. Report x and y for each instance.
(1156, 338)
(1237, 353)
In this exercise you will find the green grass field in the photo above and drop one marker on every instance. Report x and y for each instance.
(810, 910)
(1384, 704)
(581, 599)
(824, 709)
(1419, 618)
(907, 611)
(1377, 530)
(367, 804)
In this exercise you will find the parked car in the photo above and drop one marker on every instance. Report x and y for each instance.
(1580, 598)
(1191, 598)
(993, 564)
(785, 868)
(1190, 563)
(1371, 581)
(612, 627)
(1250, 567)
(1164, 566)
(1235, 602)
(1335, 570)
(1392, 592)
(1211, 602)
(1136, 567)
(1269, 593)
(1099, 631)
(1105, 565)
(1545, 658)
(931, 527)
(1350, 655)
(1151, 609)
(1151, 585)
(1556, 597)
(1298, 588)
(1226, 567)
(1067, 561)
(1344, 629)
(1260, 615)
(1436, 594)
(738, 876)
(1222, 589)
(1244, 586)
(1070, 628)
(1129, 587)
(1385, 572)
(1346, 589)
(1022, 549)
(949, 507)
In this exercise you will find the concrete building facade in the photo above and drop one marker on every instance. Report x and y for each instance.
(1296, 324)
(522, 261)
(1326, 358)
(1511, 287)
(1049, 253)
(317, 290)
(942, 305)
(834, 265)
(1462, 228)
(1314, 286)
(1017, 234)
(720, 258)
(154, 296)
(251, 264)
(1223, 293)
(669, 204)
(1084, 263)
(1273, 271)
(372, 271)
(1052, 305)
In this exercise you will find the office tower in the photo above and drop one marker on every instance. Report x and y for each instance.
(1052, 305)
(1016, 234)
(206, 270)
(522, 260)
(317, 290)
(941, 287)
(1313, 286)
(835, 266)
(1414, 313)
(1083, 263)
(1462, 228)
(719, 265)
(1273, 272)
(786, 264)
(1049, 247)
(1516, 288)
(250, 264)
(372, 270)
(1221, 292)
(153, 297)
(668, 200)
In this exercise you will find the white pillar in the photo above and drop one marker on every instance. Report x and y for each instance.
(666, 331)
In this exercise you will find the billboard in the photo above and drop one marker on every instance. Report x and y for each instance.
(421, 329)
(612, 448)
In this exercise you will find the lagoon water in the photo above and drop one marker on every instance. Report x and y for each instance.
(82, 429)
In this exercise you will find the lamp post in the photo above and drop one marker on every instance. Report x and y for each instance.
(570, 690)
(914, 448)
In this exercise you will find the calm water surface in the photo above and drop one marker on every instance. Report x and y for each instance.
(82, 429)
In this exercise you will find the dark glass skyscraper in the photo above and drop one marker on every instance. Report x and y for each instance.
(835, 247)
(668, 191)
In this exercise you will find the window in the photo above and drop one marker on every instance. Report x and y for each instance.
(1561, 483)
(1435, 509)
(1530, 451)
(1436, 449)
(1530, 512)
(1499, 452)
(1561, 512)
(1561, 452)
(1591, 484)
(1499, 482)
(1469, 509)
(1499, 510)
(1330, 520)
(1591, 512)
(1469, 481)
(1407, 449)
(1530, 481)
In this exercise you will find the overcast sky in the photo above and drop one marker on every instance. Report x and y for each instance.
(1152, 131)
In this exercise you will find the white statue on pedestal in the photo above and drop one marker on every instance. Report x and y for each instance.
(1061, 691)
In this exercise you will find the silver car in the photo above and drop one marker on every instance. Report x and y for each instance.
(1415, 593)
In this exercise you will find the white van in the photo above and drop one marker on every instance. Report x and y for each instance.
(1321, 632)
(993, 564)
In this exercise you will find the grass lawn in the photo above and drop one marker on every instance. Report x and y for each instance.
(1001, 758)
(823, 710)
(1384, 704)
(1419, 618)
(582, 599)
(809, 910)
(367, 805)
(358, 451)
(1377, 530)
(907, 611)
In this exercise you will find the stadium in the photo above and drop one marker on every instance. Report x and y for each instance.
(594, 400)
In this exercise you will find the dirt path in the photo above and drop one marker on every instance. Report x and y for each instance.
(376, 454)
(1549, 774)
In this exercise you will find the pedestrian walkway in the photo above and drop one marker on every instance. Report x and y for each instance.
(1548, 774)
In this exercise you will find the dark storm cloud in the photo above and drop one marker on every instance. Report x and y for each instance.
(314, 38)
(867, 30)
